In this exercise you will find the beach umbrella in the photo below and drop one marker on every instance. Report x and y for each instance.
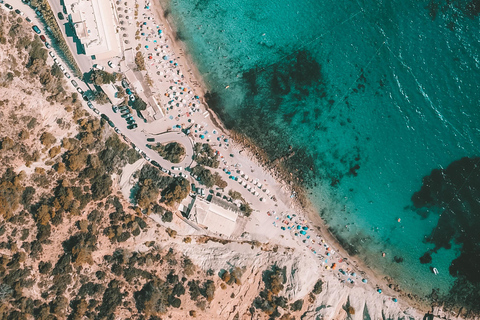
(303, 232)
(144, 23)
(146, 47)
(379, 290)
(328, 254)
(305, 228)
(364, 280)
(299, 227)
(395, 300)
(165, 57)
(354, 274)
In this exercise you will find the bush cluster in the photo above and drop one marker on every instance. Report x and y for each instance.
(173, 151)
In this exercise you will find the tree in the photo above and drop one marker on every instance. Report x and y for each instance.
(176, 191)
(146, 194)
(139, 104)
(173, 151)
(47, 139)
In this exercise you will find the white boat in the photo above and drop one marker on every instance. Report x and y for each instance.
(435, 271)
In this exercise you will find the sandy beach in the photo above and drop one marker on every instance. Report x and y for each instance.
(279, 176)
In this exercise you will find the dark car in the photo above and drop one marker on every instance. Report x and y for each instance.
(18, 11)
(42, 37)
(125, 115)
(75, 84)
(156, 164)
(104, 116)
(36, 29)
(8, 6)
(150, 139)
(60, 16)
(132, 126)
(85, 97)
(38, 13)
(130, 122)
(111, 123)
(28, 19)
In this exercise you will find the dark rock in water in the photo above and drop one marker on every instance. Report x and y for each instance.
(398, 259)
(426, 258)
(454, 194)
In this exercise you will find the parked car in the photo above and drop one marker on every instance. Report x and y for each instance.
(147, 158)
(80, 90)
(90, 105)
(61, 68)
(117, 130)
(99, 67)
(36, 29)
(132, 126)
(67, 75)
(51, 54)
(150, 139)
(123, 111)
(130, 122)
(85, 97)
(38, 13)
(55, 60)
(60, 16)
(18, 12)
(125, 83)
(156, 164)
(177, 168)
(42, 37)
(96, 111)
(105, 117)
(75, 84)
(28, 19)
(115, 109)
(47, 45)
(8, 6)
(128, 91)
(126, 115)
(111, 64)
(110, 122)
(132, 98)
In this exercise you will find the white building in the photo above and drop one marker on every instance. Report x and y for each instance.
(211, 216)
(94, 22)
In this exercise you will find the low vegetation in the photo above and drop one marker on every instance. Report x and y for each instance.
(208, 178)
(205, 155)
(173, 151)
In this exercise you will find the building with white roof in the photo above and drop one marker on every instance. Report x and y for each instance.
(94, 22)
(220, 219)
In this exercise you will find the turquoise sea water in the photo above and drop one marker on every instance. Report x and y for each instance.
(372, 96)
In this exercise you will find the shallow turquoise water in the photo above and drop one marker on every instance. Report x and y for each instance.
(389, 87)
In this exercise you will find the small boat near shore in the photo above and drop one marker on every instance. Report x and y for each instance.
(435, 271)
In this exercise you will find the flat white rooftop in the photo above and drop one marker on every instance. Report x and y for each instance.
(94, 23)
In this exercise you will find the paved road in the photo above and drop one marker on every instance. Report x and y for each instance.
(84, 62)
(137, 136)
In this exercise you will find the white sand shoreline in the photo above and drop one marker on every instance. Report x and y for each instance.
(303, 209)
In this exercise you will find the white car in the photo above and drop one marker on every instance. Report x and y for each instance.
(136, 149)
(183, 175)
(51, 54)
(61, 68)
(67, 75)
(117, 130)
(96, 111)
(111, 64)
(99, 67)
(147, 158)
